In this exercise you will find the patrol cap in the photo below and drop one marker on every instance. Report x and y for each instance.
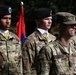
(5, 10)
(66, 18)
(41, 13)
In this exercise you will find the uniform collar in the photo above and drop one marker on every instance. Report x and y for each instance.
(4, 31)
(42, 31)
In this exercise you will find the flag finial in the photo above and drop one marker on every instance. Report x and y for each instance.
(22, 3)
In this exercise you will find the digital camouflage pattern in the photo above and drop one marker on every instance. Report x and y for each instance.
(30, 51)
(57, 59)
(10, 55)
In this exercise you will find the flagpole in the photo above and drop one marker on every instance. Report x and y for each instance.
(21, 51)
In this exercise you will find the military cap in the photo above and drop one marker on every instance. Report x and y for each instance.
(41, 13)
(5, 10)
(66, 18)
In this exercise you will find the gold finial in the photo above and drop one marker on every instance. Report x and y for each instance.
(22, 3)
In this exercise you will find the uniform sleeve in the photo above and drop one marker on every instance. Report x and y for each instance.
(27, 56)
(44, 61)
(3, 57)
(19, 60)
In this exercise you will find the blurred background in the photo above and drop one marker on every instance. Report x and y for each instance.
(30, 5)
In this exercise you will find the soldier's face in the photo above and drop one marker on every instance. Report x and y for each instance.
(5, 22)
(45, 23)
(70, 30)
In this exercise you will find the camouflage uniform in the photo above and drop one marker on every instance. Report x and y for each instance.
(56, 59)
(30, 50)
(73, 40)
(10, 55)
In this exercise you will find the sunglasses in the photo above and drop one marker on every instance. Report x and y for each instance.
(72, 25)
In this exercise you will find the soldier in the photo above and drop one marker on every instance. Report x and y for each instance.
(34, 42)
(10, 50)
(59, 57)
(73, 39)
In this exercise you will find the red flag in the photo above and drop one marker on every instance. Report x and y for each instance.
(21, 30)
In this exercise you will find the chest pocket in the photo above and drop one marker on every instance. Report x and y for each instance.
(10, 48)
